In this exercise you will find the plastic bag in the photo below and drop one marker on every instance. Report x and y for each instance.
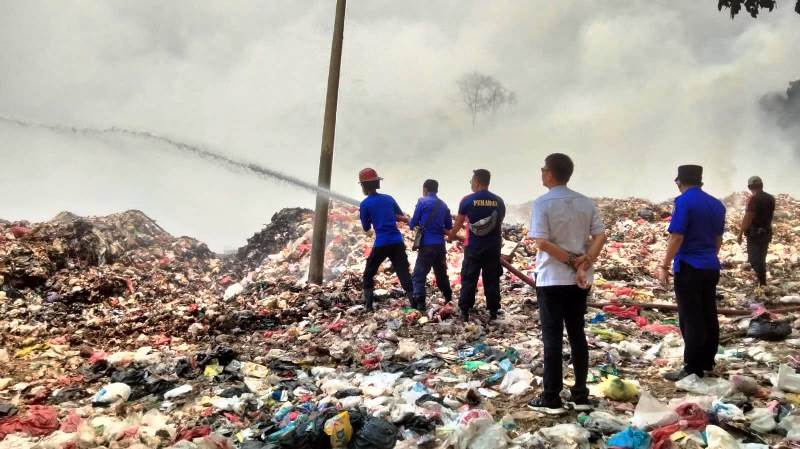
(516, 381)
(763, 328)
(662, 436)
(788, 380)
(466, 429)
(762, 420)
(705, 386)
(650, 413)
(720, 439)
(37, 421)
(251, 369)
(376, 434)
(604, 423)
(339, 429)
(407, 349)
(791, 424)
(630, 438)
(379, 383)
(661, 329)
(474, 365)
(493, 437)
(727, 412)
(747, 386)
(618, 389)
(692, 416)
(112, 393)
(177, 392)
(563, 436)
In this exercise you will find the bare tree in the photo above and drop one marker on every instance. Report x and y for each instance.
(753, 7)
(482, 93)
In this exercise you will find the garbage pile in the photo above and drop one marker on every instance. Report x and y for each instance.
(116, 334)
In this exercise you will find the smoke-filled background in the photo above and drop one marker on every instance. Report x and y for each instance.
(629, 88)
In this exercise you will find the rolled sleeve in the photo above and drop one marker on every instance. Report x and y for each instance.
(680, 219)
(539, 226)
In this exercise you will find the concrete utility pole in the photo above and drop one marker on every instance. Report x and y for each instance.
(326, 152)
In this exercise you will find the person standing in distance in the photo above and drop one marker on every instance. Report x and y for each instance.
(757, 226)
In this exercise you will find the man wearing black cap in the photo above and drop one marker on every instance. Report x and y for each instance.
(695, 238)
(757, 226)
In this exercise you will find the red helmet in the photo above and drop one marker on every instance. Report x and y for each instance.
(368, 174)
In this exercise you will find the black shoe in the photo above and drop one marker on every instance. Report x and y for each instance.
(553, 407)
(582, 404)
(464, 314)
(369, 298)
(492, 315)
(674, 376)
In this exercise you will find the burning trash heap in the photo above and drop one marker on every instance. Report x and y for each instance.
(116, 334)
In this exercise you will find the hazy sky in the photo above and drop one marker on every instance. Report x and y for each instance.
(629, 88)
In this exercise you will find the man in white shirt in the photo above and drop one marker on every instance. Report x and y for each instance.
(569, 235)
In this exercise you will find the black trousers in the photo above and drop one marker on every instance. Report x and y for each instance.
(757, 246)
(397, 255)
(696, 291)
(431, 256)
(560, 306)
(477, 261)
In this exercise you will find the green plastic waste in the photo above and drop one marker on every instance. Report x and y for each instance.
(474, 365)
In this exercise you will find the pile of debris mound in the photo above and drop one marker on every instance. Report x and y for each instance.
(116, 334)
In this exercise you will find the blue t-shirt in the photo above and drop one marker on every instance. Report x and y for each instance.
(478, 206)
(700, 218)
(441, 221)
(380, 211)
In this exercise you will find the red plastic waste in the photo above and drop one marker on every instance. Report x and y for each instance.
(97, 356)
(446, 312)
(337, 325)
(661, 436)
(225, 281)
(623, 291)
(661, 329)
(162, 340)
(235, 420)
(622, 311)
(19, 231)
(372, 362)
(191, 434)
(40, 420)
(71, 422)
(692, 416)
